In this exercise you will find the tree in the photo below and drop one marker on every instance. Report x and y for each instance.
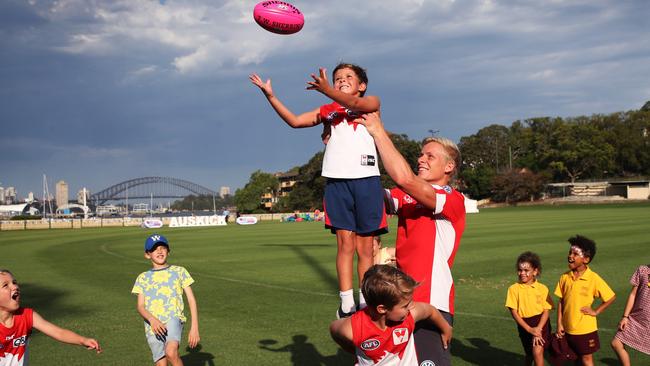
(249, 198)
(308, 192)
(203, 202)
(581, 150)
(517, 185)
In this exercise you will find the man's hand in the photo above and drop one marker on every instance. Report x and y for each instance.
(372, 122)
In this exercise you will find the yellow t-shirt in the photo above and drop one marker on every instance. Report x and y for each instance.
(577, 293)
(528, 300)
(163, 292)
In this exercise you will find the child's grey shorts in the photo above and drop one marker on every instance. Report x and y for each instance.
(157, 343)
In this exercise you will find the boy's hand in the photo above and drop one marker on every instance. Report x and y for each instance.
(559, 333)
(91, 343)
(538, 341)
(193, 338)
(588, 311)
(536, 331)
(264, 86)
(157, 326)
(320, 82)
(445, 337)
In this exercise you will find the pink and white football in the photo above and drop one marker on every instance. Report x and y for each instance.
(278, 17)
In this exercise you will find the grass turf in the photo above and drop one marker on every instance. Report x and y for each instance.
(267, 292)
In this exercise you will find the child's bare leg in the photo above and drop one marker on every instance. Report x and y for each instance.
(621, 352)
(538, 356)
(171, 353)
(161, 362)
(344, 268)
(587, 360)
(364, 248)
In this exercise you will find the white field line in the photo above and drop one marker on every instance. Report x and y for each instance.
(289, 289)
(228, 279)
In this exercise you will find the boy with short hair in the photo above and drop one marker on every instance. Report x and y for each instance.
(577, 289)
(353, 202)
(16, 324)
(382, 333)
(160, 302)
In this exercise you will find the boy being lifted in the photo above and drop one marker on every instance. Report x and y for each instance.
(353, 202)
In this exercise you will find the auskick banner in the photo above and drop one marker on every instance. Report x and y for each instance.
(189, 221)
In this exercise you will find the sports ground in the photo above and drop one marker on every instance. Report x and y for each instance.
(267, 292)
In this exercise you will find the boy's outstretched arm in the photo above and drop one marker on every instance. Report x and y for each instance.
(341, 331)
(64, 335)
(422, 310)
(365, 104)
(193, 335)
(308, 119)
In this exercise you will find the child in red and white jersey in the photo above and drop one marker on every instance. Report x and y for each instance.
(382, 333)
(16, 325)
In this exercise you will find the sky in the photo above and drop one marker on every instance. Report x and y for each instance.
(97, 92)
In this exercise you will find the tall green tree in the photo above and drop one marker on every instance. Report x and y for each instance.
(249, 198)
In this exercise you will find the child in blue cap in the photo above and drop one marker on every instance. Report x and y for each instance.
(160, 302)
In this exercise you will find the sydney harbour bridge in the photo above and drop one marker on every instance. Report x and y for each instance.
(150, 187)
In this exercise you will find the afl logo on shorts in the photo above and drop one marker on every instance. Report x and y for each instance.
(370, 345)
(428, 363)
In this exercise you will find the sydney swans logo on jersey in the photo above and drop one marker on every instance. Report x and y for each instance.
(428, 363)
(408, 199)
(368, 160)
(400, 335)
(20, 342)
(370, 345)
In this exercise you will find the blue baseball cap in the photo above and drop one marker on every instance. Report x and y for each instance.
(153, 240)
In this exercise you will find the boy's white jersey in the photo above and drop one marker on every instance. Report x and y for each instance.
(350, 151)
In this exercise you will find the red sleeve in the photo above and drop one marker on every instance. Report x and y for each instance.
(397, 195)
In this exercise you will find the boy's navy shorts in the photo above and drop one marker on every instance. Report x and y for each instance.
(356, 205)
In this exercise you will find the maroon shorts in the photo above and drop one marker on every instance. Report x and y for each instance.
(527, 338)
(583, 344)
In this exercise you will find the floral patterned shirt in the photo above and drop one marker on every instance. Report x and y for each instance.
(163, 292)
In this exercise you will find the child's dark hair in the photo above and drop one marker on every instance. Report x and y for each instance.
(386, 285)
(587, 245)
(533, 259)
(360, 71)
(2, 270)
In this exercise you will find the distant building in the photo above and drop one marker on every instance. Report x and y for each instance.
(224, 191)
(9, 196)
(61, 193)
(30, 197)
(287, 181)
(2, 195)
(83, 196)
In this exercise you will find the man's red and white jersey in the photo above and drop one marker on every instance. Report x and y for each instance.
(13, 341)
(393, 346)
(427, 241)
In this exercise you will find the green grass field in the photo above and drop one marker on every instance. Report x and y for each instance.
(267, 292)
